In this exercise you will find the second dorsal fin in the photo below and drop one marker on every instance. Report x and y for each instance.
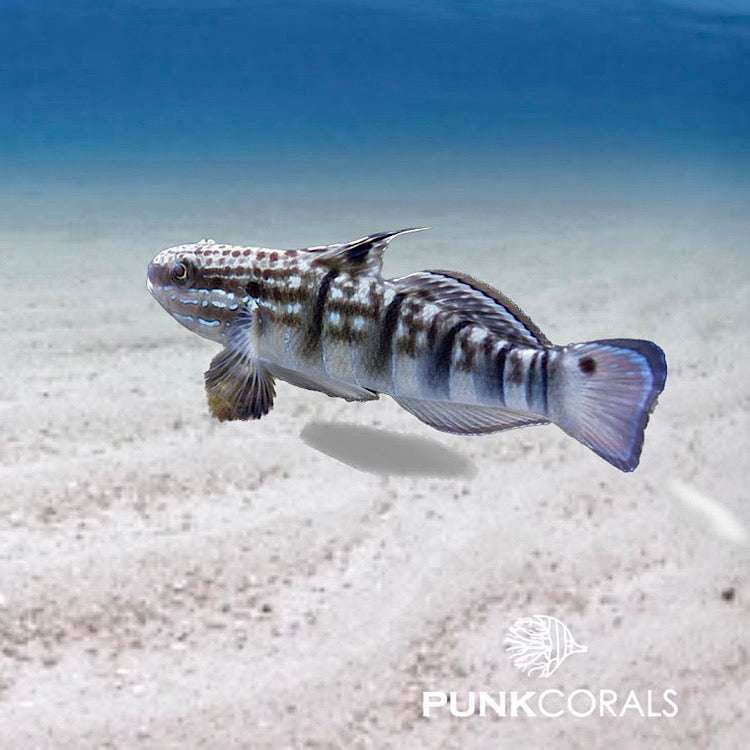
(475, 301)
(360, 256)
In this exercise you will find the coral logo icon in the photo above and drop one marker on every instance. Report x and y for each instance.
(539, 644)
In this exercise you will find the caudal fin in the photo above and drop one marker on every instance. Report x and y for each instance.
(605, 393)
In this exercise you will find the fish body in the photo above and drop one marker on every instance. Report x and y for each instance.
(453, 351)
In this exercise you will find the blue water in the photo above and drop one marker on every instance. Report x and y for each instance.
(467, 98)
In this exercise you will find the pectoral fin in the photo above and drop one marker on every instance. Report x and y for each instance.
(237, 383)
(238, 387)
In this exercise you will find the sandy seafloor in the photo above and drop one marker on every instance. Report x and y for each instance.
(167, 581)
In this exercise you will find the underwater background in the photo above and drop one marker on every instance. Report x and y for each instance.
(414, 108)
(170, 581)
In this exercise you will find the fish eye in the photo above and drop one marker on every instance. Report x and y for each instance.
(180, 272)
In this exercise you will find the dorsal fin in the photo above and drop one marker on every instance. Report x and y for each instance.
(361, 256)
(475, 301)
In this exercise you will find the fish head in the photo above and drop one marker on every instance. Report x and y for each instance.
(183, 281)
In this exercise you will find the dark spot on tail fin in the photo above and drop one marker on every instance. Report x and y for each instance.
(606, 393)
(587, 365)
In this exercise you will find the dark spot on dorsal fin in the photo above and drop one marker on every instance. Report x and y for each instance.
(358, 253)
(587, 365)
(361, 256)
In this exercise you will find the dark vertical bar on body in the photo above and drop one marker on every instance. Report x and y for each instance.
(499, 366)
(387, 331)
(543, 375)
(315, 331)
(531, 380)
(441, 363)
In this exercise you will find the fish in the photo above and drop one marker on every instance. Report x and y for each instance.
(453, 351)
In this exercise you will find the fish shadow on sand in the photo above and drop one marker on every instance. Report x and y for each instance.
(385, 452)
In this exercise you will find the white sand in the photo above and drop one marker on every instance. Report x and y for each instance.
(170, 582)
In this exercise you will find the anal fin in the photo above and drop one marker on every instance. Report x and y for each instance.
(238, 387)
(467, 419)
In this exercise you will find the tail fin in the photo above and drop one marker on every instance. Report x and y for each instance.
(606, 392)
